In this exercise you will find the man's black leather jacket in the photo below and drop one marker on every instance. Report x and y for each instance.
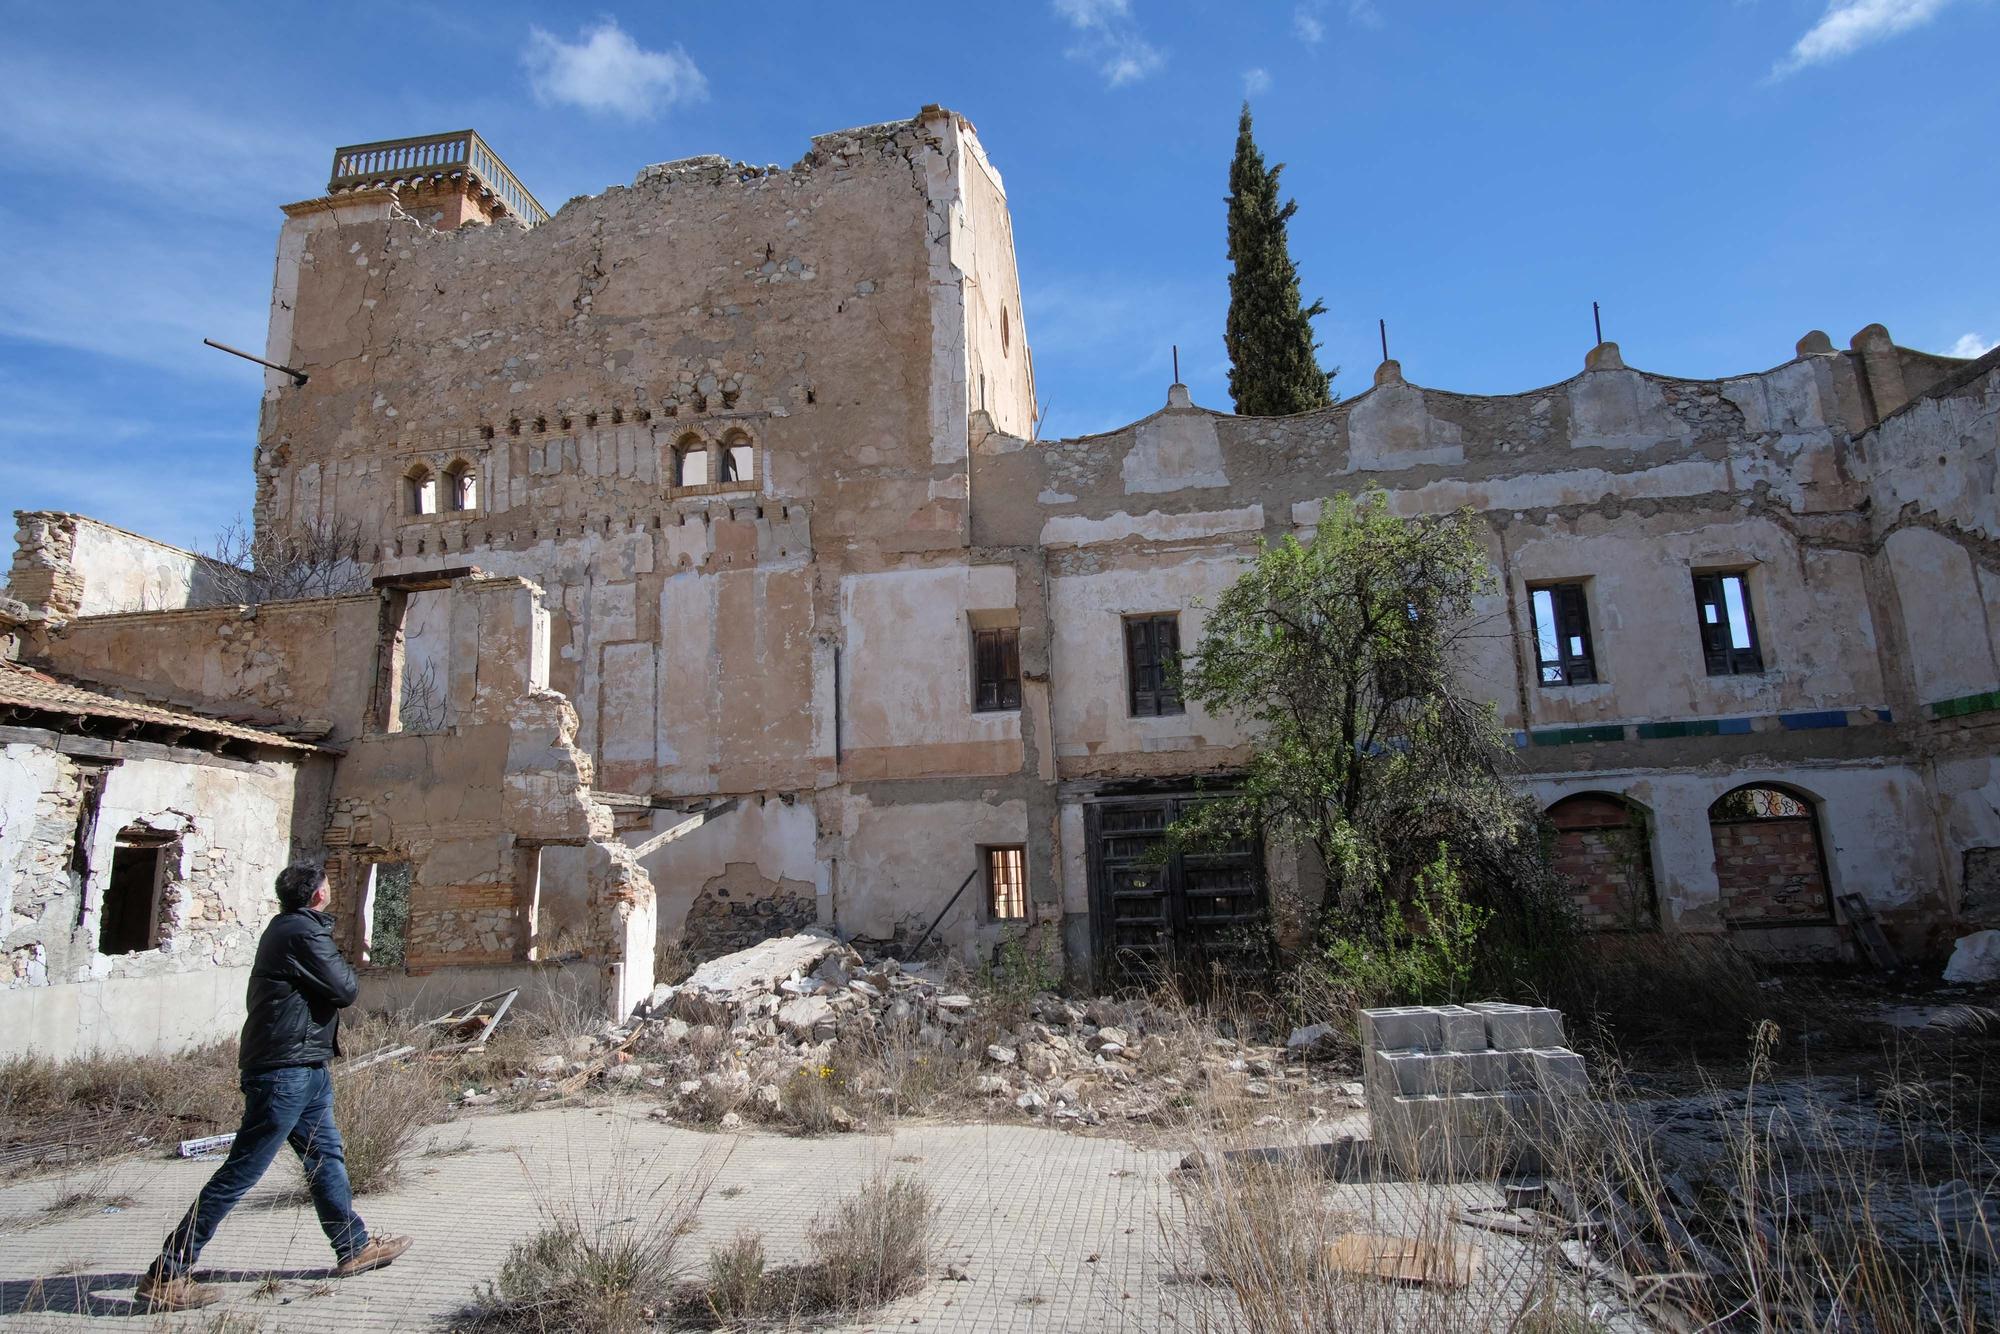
(298, 988)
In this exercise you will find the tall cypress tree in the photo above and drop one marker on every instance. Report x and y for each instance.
(1272, 369)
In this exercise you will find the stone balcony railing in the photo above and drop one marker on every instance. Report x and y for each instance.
(462, 154)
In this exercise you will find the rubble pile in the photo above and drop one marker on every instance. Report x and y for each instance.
(806, 1029)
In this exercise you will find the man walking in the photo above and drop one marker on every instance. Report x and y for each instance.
(298, 987)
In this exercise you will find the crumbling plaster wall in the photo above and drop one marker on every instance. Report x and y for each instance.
(1625, 480)
(467, 803)
(69, 565)
(226, 826)
(795, 305)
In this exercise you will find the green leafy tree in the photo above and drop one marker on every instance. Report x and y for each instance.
(1343, 657)
(1273, 366)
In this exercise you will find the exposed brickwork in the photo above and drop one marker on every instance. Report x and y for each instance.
(1769, 871)
(1614, 890)
(1601, 847)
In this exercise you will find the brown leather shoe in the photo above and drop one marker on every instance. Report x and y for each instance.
(174, 1294)
(381, 1251)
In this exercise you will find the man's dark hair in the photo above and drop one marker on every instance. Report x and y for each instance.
(296, 884)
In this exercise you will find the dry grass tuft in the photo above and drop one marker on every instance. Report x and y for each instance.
(736, 1278)
(610, 1263)
(54, 1112)
(875, 1245)
(381, 1111)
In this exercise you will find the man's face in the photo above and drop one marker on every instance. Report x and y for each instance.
(321, 897)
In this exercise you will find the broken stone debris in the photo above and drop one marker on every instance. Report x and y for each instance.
(742, 1026)
(1975, 958)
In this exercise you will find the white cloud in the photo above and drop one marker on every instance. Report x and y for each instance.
(1308, 25)
(1109, 40)
(1364, 14)
(1971, 345)
(1849, 25)
(1256, 81)
(1093, 13)
(604, 70)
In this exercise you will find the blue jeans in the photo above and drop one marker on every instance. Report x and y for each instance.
(293, 1104)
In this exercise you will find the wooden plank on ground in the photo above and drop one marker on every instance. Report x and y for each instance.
(1406, 1260)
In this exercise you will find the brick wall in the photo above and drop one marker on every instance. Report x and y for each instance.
(1614, 889)
(1601, 848)
(1769, 871)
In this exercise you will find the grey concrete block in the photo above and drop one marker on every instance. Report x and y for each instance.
(1520, 1027)
(1462, 1029)
(1558, 1071)
(1401, 1028)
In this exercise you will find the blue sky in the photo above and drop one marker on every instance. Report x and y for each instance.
(1722, 176)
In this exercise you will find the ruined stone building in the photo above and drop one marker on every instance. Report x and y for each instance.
(713, 582)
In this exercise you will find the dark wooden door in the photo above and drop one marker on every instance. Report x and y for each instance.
(1156, 912)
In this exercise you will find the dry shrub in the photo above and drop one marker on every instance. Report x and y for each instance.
(875, 1245)
(1266, 1233)
(380, 1112)
(1812, 1210)
(1690, 991)
(736, 1278)
(90, 1105)
(609, 1264)
(869, 1249)
(808, 1097)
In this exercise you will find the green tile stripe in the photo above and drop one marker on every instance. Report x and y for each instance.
(1957, 708)
(1576, 736)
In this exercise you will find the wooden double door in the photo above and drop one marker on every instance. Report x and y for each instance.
(1157, 911)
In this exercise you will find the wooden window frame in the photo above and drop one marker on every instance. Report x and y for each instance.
(1719, 652)
(990, 856)
(996, 669)
(1151, 639)
(1575, 659)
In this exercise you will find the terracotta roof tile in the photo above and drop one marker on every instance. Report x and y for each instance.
(23, 687)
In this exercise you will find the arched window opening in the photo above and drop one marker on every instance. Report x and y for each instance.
(1004, 332)
(690, 463)
(1769, 862)
(739, 460)
(421, 487)
(461, 486)
(1604, 847)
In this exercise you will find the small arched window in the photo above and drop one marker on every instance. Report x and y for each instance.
(739, 458)
(690, 462)
(461, 486)
(420, 490)
(1003, 331)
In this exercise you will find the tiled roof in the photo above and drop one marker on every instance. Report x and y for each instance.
(25, 688)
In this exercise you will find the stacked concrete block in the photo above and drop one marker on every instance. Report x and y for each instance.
(1464, 1088)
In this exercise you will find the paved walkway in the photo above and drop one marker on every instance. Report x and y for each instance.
(1054, 1231)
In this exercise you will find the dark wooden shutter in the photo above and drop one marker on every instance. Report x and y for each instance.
(1145, 698)
(1573, 628)
(1714, 619)
(1166, 659)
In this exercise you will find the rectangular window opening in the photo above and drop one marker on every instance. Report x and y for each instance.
(1007, 884)
(1727, 624)
(996, 670)
(130, 921)
(1563, 653)
(1152, 664)
(385, 914)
